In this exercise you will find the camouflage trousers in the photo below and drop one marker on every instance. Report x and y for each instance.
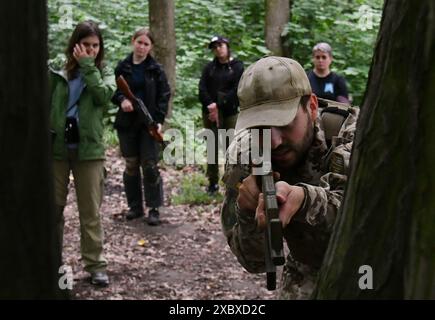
(298, 280)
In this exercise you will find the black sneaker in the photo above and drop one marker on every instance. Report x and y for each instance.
(100, 279)
(133, 215)
(153, 217)
(212, 189)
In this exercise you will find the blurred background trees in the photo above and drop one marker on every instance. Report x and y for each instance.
(350, 26)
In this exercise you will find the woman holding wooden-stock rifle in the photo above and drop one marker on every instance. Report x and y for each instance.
(147, 81)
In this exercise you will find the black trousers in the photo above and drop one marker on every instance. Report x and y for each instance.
(141, 151)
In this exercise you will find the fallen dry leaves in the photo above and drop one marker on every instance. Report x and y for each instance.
(186, 257)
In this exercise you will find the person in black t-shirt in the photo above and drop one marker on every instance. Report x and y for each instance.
(325, 83)
(218, 96)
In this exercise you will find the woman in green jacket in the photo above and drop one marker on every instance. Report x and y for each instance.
(79, 95)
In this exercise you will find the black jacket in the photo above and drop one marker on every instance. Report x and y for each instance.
(157, 92)
(217, 77)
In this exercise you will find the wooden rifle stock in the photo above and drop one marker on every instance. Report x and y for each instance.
(149, 121)
(124, 88)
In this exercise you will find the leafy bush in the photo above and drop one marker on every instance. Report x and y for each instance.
(193, 191)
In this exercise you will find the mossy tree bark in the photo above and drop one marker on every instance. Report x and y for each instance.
(162, 26)
(388, 216)
(277, 17)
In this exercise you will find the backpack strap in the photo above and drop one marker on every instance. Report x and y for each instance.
(332, 114)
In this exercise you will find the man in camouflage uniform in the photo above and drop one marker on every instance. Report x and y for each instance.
(275, 93)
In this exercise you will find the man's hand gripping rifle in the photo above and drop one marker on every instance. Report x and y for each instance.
(236, 171)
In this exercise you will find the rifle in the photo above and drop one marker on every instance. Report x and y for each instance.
(140, 106)
(274, 255)
(234, 175)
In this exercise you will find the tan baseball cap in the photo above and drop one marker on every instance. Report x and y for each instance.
(270, 91)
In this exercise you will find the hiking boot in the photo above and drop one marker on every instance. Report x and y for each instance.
(153, 217)
(133, 192)
(212, 189)
(133, 215)
(100, 279)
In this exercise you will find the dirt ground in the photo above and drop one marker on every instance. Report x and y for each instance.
(186, 257)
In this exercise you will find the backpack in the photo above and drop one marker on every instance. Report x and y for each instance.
(333, 114)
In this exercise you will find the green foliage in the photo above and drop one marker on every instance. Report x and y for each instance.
(110, 137)
(350, 27)
(196, 21)
(117, 20)
(193, 192)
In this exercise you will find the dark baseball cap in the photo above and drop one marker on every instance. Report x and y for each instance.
(217, 39)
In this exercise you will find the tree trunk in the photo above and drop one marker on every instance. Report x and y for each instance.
(388, 216)
(277, 17)
(162, 26)
(29, 248)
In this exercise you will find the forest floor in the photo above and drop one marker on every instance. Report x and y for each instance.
(186, 257)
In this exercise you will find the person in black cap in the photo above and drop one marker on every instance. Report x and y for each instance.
(218, 96)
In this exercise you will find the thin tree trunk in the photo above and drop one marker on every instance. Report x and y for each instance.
(277, 17)
(388, 216)
(29, 247)
(162, 25)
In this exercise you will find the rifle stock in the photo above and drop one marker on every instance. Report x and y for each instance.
(124, 88)
(143, 111)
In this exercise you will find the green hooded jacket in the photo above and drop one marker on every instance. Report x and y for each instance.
(93, 102)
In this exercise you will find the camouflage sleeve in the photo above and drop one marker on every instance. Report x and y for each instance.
(245, 240)
(240, 228)
(322, 203)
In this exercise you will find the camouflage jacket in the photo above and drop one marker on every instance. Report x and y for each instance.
(323, 176)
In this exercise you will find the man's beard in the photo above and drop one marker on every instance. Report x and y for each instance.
(300, 150)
